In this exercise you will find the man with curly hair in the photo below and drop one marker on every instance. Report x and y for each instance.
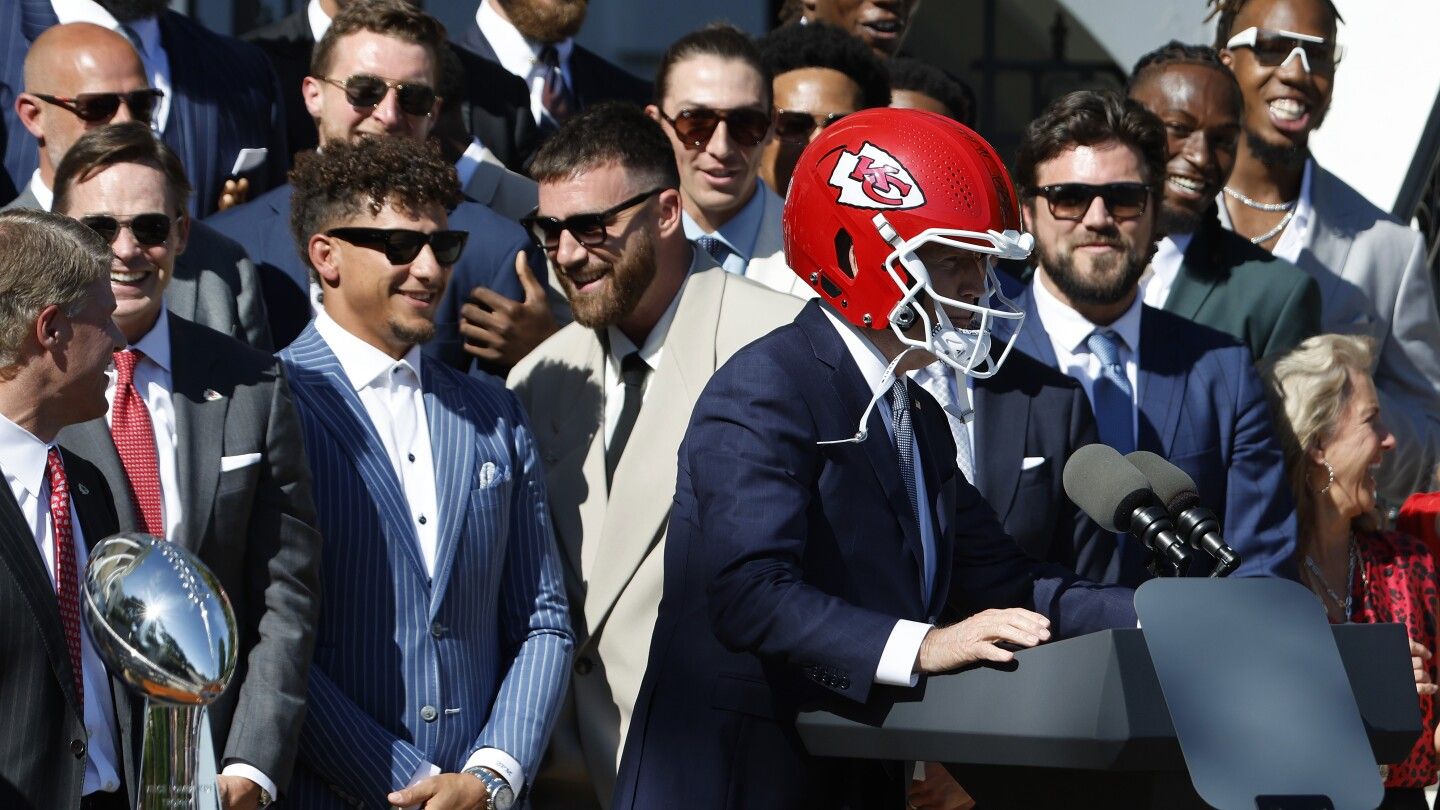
(443, 645)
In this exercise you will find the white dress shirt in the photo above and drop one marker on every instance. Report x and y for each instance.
(1068, 330)
(897, 660)
(521, 56)
(942, 383)
(25, 471)
(319, 20)
(1292, 240)
(44, 195)
(620, 345)
(154, 384)
(1164, 267)
(152, 53)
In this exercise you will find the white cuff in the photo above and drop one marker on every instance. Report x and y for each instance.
(253, 774)
(501, 763)
(897, 662)
(425, 771)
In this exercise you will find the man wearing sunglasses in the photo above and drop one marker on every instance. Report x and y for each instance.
(444, 646)
(1201, 270)
(374, 74)
(82, 76)
(609, 397)
(201, 447)
(1371, 268)
(1091, 169)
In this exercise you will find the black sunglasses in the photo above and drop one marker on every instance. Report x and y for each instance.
(695, 125)
(402, 245)
(588, 229)
(96, 107)
(793, 126)
(150, 230)
(364, 90)
(1072, 200)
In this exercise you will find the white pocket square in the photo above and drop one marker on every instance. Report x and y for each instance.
(228, 463)
(1031, 462)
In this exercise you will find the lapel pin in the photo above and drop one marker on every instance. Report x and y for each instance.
(211, 395)
(84, 490)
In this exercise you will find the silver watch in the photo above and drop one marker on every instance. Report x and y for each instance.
(499, 795)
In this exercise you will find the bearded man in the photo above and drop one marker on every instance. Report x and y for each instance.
(1091, 170)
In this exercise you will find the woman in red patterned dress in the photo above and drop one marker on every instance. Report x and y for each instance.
(1328, 418)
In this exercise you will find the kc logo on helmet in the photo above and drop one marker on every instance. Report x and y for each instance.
(873, 178)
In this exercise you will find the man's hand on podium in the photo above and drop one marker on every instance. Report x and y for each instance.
(978, 639)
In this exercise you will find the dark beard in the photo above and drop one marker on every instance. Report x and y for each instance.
(1175, 219)
(546, 20)
(128, 11)
(1274, 155)
(629, 279)
(412, 336)
(1109, 289)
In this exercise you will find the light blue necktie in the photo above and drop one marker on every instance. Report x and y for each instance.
(1112, 397)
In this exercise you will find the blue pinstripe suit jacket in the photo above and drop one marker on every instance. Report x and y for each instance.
(409, 670)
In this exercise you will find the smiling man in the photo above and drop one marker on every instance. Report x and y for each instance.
(880, 24)
(1371, 268)
(1091, 169)
(1200, 270)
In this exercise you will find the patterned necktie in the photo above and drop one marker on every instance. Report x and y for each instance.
(904, 442)
(134, 437)
(1112, 397)
(555, 96)
(943, 388)
(67, 575)
(717, 249)
(633, 370)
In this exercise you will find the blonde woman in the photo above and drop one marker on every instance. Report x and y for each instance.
(1328, 419)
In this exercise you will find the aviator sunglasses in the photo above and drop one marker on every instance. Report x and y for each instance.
(695, 125)
(402, 245)
(93, 108)
(588, 229)
(150, 230)
(1275, 48)
(794, 126)
(1071, 200)
(364, 90)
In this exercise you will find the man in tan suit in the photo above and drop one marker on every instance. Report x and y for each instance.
(609, 398)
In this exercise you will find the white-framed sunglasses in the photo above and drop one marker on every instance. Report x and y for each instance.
(1275, 48)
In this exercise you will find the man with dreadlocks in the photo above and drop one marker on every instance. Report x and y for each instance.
(1370, 267)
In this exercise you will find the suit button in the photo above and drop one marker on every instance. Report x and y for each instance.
(437, 629)
(428, 714)
(77, 747)
(583, 665)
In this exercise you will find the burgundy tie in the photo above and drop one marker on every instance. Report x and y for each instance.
(555, 96)
(67, 582)
(134, 437)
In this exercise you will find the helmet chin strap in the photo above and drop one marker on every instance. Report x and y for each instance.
(886, 380)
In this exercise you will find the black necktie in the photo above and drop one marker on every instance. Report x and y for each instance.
(632, 373)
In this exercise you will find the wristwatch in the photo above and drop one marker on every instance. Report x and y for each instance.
(265, 799)
(499, 796)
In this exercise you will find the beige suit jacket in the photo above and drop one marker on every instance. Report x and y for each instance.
(508, 194)
(767, 265)
(613, 549)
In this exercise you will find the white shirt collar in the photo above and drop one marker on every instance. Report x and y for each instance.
(620, 345)
(319, 20)
(515, 52)
(362, 363)
(1069, 328)
(740, 231)
(43, 194)
(1295, 236)
(155, 345)
(1164, 267)
(25, 457)
(470, 161)
(871, 362)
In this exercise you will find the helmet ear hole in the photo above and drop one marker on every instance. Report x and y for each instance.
(845, 253)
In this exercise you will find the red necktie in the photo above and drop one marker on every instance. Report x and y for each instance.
(134, 437)
(67, 582)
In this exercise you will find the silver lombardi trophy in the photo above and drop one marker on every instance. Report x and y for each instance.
(161, 621)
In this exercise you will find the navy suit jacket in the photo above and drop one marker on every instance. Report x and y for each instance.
(1203, 408)
(786, 567)
(224, 98)
(594, 79)
(411, 669)
(263, 227)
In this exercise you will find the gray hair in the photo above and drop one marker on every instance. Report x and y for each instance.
(48, 259)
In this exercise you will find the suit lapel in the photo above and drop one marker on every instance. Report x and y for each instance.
(92, 441)
(997, 463)
(452, 442)
(1326, 247)
(577, 477)
(1199, 273)
(930, 421)
(1032, 339)
(770, 239)
(199, 428)
(484, 181)
(475, 42)
(1161, 376)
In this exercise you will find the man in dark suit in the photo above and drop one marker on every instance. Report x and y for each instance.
(68, 725)
(496, 106)
(220, 94)
(1090, 169)
(393, 42)
(1201, 270)
(215, 283)
(201, 447)
(534, 40)
(811, 564)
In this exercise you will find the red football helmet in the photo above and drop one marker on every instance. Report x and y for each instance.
(883, 182)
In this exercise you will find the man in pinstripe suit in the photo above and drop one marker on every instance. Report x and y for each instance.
(443, 647)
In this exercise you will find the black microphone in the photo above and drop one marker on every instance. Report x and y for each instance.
(1114, 494)
(1198, 525)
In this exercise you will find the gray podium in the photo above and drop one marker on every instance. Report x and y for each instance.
(1084, 722)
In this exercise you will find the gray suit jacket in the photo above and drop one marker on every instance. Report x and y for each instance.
(1373, 281)
(215, 283)
(508, 194)
(248, 514)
